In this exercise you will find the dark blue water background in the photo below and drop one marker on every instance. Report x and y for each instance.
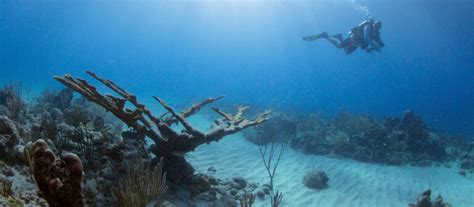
(252, 52)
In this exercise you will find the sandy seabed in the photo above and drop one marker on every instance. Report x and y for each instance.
(351, 183)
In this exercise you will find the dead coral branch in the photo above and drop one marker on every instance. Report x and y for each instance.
(139, 119)
(169, 143)
(191, 110)
(143, 121)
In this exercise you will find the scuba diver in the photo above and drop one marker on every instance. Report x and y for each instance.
(366, 36)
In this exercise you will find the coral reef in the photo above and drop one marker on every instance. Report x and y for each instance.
(316, 179)
(58, 124)
(59, 179)
(395, 141)
(424, 200)
(11, 98)
(168, 143)
(69, 125)
(9, 141)
(467, 158)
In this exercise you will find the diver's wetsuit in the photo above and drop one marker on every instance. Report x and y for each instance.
(364, 35)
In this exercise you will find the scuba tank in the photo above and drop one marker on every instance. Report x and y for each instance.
(359, 29)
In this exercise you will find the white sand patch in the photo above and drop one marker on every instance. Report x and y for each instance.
(351, 183)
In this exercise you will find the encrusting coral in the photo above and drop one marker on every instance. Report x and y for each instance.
(59, 179)
(168, 143)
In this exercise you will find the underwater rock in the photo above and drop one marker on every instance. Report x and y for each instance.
(238, 183)
(9, 139)
(203, 183)
(467, 164)
(201, 190)
(424, 200)
(227, 201)
(213, 180)
(266, 189)
(211, 170)
(316, 179)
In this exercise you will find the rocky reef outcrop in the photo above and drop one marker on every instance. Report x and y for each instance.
(424, 200)
(393, 141)
(10, 148)
(316, 179)
(466, 162)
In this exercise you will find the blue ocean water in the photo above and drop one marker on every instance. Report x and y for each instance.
(252, 52)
